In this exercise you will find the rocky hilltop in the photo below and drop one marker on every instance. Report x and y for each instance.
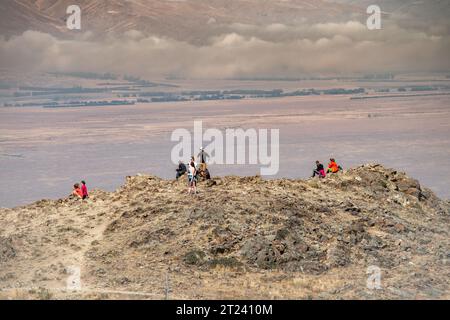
(239, 237)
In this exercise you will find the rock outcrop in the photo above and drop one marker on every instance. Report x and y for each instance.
(239, 237)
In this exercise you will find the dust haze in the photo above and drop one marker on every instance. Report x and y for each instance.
(242, 50)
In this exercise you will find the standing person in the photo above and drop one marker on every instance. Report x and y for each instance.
(196, 167)
(320, 171)
(192, 178)
(181, 169)
(193, 161)
(77, 191)
(84, 190)
(202, 156)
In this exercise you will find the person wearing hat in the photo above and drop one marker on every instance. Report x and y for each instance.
(202, 156)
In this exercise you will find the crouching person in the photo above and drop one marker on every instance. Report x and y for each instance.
(181, 169)
(77, 192)
(319, 171)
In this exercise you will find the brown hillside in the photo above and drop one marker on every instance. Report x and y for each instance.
(240, 237)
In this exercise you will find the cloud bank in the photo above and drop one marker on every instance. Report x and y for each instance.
(275, 50)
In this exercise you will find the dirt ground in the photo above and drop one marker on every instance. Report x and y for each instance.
(238, 238)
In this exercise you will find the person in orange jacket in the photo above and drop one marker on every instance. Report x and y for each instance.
(333, 166)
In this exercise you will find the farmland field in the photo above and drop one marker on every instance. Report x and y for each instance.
(44, 151)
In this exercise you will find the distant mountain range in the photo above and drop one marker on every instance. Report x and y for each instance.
(190, 20)
(193, 20)
(187, 37)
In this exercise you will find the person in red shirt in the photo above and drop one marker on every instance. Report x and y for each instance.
(77, 191)
(84, 190)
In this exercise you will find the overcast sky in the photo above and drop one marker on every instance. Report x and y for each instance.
(243, 50)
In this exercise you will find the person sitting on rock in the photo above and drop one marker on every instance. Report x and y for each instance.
(333, 166)
(84, 190)
(77, 191)
(181, 169)
(320, 171)
(206, 174)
